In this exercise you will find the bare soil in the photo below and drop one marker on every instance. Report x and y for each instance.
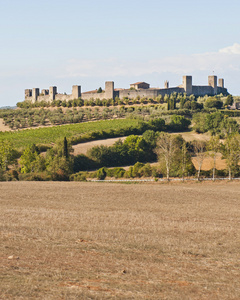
(78, 240)
(208, 163)
(4, 127)
(84, 147)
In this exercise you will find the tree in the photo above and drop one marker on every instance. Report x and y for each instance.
(8, 155)
(99, 90)
(184, 158)
(229, 100)
(65, 148)
(179, 123)
(213, 102)
(199, 121)
(101, 174)
(199, 151)
(27, 160)
(166, 149)
(231, 152)
(59, 162)
(214, 147)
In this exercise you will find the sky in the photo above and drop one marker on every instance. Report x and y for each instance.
(64, 43)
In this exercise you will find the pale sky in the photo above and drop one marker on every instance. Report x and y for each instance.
(63, 43)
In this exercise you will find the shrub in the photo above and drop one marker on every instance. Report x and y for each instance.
(213, 102)
(101, 174)
(179, 123)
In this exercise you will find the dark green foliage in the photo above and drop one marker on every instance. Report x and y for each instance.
(101, 174)
(178, 123)
(213, 102)
(171, 104)
(150, 136)
(216, 123)
(229, 100)
(65, 148)
(116, 172)
(133, 149)
(84, 163)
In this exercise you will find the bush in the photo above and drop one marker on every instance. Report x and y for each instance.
(213, 102)
(179, 123)
(81, 176)
(101, 174)
(119, 172)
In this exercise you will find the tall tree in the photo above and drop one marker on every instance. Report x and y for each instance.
(231, 152)
(184, 152)
(199, 148)
(65, 148)
(59, 162)
(213, 146)
(8, 155)
(166, 147)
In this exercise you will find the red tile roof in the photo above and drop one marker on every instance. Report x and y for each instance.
(139, 82)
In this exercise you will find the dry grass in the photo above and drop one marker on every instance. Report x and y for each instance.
(208, 163)
(192, 135)
(4, 127)
(115, 241)
(82, 148)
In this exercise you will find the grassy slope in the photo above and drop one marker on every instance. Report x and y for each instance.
(49, 135)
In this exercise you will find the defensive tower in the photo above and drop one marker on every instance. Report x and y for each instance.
(76, 91)
(52, 93)
(109, 89)
(212, 81)
(187, 84)
(221, 82)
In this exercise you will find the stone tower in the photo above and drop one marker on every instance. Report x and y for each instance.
(221, 82)
(166, 84)
(109, 89)
(212, 81)
(52, 92)
(35, 94)
(187, 84)
(76, 91)
(28, 93)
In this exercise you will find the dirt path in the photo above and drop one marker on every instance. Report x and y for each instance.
(84, 147)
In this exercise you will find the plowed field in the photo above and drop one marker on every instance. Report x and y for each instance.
(75, 240)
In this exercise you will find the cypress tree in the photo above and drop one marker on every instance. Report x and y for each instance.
(65, 148)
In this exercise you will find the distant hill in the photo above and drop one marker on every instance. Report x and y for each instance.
(8, 107)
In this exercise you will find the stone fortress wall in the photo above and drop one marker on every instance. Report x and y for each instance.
(139, 89)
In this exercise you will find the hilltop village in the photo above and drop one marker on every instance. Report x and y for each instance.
(138, 89)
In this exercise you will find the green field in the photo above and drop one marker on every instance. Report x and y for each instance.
(48, 135)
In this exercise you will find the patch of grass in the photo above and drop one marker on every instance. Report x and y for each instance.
(49, 135)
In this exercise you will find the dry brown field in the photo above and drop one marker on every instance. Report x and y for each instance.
(82, 148)
(76, 240)
(4, 127)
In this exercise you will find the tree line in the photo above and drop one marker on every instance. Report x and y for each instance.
(172, 152)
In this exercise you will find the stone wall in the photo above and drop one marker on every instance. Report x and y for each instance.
(109, 93)
(88, 96)
(150, 93)
(202, 90)
(63, 97)
(169, 91)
